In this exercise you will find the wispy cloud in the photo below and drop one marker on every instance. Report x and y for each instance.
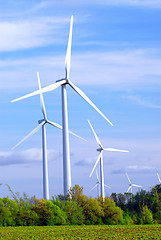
(134, 3)
(135, 68)
(136, 169)
(86, 161)
(29, 33)
(141, 102)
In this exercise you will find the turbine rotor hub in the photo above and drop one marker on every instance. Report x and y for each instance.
(67, 81)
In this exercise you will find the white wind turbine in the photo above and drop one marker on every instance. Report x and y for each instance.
(158, 177)
(131, 185)
(98, 185)
(63, 82)
(42, 123)
(100, 158)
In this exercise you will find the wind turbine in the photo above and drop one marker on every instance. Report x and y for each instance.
(98, 185)
(100, 158)
(131, 185)
(158, 177)
(42, 123)
(63, 83)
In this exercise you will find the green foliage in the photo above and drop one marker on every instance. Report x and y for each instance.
(5, 215)
(8, 212)
(112, 213)
(77, 209)
(127, 220)
(49, 214)
(93, 211)
(73, 212)
(76, 194)
(26, 217)
(147, 215)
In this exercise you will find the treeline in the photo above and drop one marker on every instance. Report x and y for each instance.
(77, 209)
(143, 207)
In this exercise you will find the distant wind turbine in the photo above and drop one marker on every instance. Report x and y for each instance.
(98, 185)
(63, 82)
(158, 177)
(100, 158)
(131, 185)
(42, 123)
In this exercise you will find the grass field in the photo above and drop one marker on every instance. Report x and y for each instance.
(82, 232)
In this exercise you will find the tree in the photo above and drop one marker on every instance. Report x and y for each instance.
(114, 197)
(93, 211)
(147, 215)
(112, 213)
(49, 214)
(73, 211)
(121, 200)
(76, 194)
(8, 212)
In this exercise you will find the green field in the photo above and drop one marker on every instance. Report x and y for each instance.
(82, 232)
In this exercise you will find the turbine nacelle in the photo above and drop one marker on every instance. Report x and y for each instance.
(62, 79)
(42, 120)
(99, 149)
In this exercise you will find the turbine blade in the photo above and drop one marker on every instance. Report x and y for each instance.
(114, 150)
(128, 178)
(55, 124)
(41, 98)
(82, 94)
(60, 127)
(45, 89)
(97, 176)
(106, 186)
(95, 164)
(93, 187)
(128, 189)
(29, 135)
(158, 177)
(136, 185)
(97, 139)
(68, 53)
(77, 136)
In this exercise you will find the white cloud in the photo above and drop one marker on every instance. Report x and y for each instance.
(32, 155)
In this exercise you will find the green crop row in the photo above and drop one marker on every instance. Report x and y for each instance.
(81, 232)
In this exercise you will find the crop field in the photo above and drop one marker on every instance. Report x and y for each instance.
(82, 232)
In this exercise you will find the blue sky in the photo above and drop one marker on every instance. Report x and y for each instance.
(116, 61)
